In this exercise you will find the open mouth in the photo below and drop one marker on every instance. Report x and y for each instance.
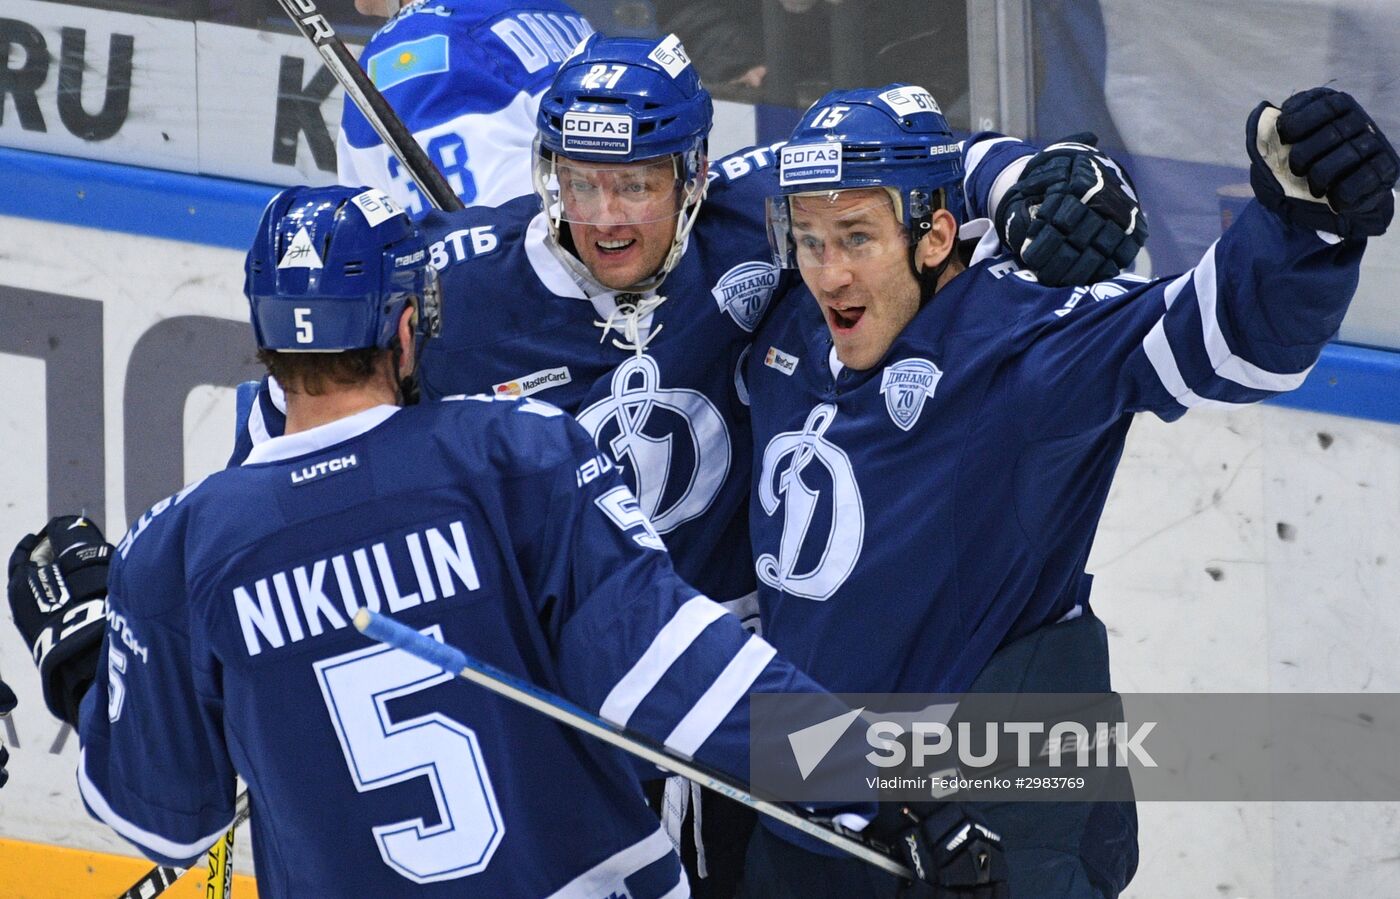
(614, 247)
(844, 319)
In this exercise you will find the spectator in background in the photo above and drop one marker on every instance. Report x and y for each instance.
(812, 46)
(725, 42)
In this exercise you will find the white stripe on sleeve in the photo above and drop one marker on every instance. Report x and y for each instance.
(731, 686)
(1225, 363)
(1159, 353)
(136, 834)
(673, 640)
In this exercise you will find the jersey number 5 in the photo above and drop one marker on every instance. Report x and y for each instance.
(380, 752)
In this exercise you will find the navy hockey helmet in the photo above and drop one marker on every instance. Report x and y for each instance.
(630, 101)
(893, 137)
(624, 100)
(332, 269)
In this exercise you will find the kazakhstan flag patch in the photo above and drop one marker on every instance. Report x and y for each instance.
(410, 59)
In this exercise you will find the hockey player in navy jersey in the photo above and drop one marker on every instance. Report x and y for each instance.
(937, 432)
(465, 76)
(493, 524)
(627, 292)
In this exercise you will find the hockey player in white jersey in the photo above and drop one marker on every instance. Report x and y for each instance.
(465, 77)
(915, 398)
(492, 524)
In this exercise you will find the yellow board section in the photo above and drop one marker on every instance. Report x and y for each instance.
(41, 871)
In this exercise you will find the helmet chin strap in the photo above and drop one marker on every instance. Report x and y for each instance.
(928, 277)
(405, 386)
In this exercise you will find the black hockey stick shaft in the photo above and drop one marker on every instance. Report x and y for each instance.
(219, 861)
(453, 660)
(371, 103)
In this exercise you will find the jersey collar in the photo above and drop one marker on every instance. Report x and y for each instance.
(318, 438)
(558, 270)
(988, 241)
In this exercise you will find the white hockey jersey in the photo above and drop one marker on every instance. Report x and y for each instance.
(465, 76)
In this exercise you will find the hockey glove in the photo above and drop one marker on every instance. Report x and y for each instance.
(1072, 217)
(7, 705)
(1320, 162)
(58, 593)
(947, 847)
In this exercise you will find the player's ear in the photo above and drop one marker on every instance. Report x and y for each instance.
(939, 242)
(406, 360)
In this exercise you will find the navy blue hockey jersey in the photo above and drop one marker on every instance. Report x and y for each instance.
(521, 317)
(495, 526)
(672, 416)
(465, 76)
(910, 519)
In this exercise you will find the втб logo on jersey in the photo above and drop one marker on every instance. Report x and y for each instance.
(788, 476)
(744, 291)
(672, 444)
(906, 385)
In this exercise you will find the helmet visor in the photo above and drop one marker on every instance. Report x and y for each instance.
(593, 193)
(816, 230)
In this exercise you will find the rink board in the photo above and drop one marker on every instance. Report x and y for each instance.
(58, 872)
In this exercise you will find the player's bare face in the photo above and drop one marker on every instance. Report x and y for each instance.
(854, 257)
(622, 217)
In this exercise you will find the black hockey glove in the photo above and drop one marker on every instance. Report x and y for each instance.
(947, 846)
(1320, 162)
(58, 593)
(7, 705)
(1071, 218)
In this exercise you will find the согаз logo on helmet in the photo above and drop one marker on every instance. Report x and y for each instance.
(595, 132)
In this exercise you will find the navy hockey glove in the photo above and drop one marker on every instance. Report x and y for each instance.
(1072, 217)
(947, 846)
(58, 593)
(7, 705)
(1320, 162)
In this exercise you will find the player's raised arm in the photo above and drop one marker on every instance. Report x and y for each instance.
(1250, 319)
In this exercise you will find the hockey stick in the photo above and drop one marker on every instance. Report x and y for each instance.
(218, 861)
(371, 103)
(453, 660)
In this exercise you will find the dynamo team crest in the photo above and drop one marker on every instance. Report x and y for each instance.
(906, 385)
(673, 440)
(744, 291)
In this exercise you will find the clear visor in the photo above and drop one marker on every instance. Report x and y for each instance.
(842, 227)
(592, 193)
